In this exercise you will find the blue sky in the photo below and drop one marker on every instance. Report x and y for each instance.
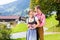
(3, 2)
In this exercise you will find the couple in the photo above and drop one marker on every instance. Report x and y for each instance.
(35, 24)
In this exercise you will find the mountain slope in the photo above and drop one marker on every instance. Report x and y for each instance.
(14, 8)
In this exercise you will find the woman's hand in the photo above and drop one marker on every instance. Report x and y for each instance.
(31, 26)
(34, 26)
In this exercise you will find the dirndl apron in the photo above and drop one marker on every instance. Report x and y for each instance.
(31, 34)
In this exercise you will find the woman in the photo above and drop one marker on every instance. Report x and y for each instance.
(32, 23)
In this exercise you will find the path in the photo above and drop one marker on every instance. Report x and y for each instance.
(18, 35)
(23, 34)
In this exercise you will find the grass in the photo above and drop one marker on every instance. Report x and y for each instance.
(54, 29)
(47, 37)
(19, 28)
(52, 37)
(20, 39)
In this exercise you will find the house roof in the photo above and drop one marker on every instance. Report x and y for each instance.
(9, 17)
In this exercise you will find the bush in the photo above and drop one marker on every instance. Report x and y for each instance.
(4, 32)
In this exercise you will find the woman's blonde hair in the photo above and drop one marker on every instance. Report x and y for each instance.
(31, 10)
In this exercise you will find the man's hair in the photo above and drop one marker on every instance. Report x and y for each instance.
(38, 7)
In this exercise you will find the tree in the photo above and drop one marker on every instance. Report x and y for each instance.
(47, 6)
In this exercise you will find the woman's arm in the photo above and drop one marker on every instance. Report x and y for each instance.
(27, 23)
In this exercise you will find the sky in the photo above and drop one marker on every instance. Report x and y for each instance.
(3, 2)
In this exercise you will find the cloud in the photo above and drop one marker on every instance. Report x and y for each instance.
(2, 2)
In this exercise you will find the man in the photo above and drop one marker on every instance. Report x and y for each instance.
(41, 18)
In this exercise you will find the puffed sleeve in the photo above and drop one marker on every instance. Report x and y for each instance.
(27, 20)
(36, 18)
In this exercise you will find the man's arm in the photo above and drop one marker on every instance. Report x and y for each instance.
(42, 21)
